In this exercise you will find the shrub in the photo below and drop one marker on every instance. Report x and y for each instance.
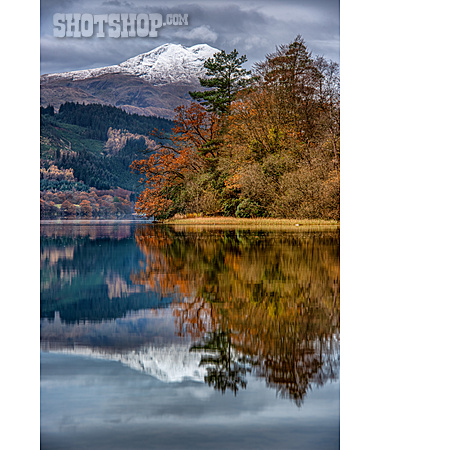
(247, 208)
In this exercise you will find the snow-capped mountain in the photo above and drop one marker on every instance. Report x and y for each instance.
(152, 83)
(168, 63)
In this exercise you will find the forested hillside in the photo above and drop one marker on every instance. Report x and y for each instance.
(97, 143)
(88, 149)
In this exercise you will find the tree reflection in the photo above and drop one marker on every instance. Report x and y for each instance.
(225, 371)
(265, 297)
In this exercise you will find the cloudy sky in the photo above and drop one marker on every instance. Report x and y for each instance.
(253, 27)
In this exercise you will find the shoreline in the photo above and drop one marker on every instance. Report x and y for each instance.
(256, 222)
(214, 222)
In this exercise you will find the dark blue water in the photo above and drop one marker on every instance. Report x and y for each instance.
(162, 337)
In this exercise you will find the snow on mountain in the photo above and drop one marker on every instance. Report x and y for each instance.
(170, 364)
(168, 63)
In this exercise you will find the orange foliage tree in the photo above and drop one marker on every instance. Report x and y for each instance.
(188, 152)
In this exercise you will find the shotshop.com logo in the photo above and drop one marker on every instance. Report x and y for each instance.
(113, 25)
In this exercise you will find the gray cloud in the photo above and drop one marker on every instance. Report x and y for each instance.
(202, 33)
(253, 27)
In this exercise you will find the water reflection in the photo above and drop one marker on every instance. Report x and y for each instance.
(85, 273)
(215, 305)
(270, 299)
(225, 369)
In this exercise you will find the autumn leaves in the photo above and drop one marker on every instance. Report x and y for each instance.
(259, 145)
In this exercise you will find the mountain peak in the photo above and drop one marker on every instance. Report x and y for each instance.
(168, 63)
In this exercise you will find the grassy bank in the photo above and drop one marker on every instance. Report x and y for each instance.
(253, 223)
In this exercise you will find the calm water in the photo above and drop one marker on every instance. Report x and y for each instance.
(175, 337)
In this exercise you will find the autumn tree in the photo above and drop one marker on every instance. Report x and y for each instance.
(68, 208)
(86, 208)
(172, 165)
(283, 138)
(329, 101)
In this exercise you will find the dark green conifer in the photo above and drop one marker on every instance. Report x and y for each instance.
(224, 79)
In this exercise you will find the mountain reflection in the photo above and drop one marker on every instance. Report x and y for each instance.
(259, 299)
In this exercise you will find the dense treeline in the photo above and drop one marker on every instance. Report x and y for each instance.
(62, 185)
(260, 145)
(100, 171)
(97, 119)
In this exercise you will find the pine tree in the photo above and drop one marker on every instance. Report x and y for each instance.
(225, 77)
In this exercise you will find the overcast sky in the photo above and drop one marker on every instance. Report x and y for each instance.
(253, 27)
